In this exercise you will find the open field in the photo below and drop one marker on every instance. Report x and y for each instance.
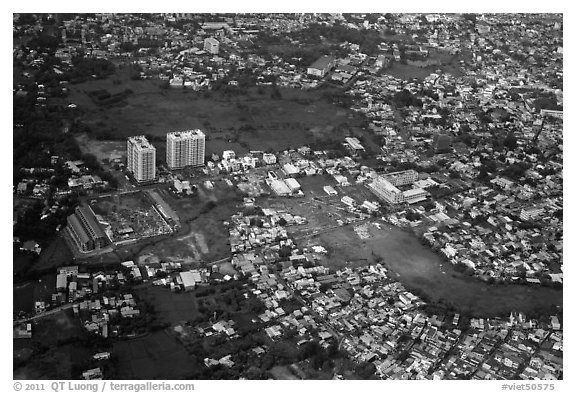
(162, 355)
(420, 269)
(102, 150)
(171, 307)
(21, 262)
(23, 298)
(56, 254)
(26, 293)
(61, 359)
(155, 356)
(63, 362)
(206, 241)
(251, 121)
(448, 63)
(406, 71)
(282, 373)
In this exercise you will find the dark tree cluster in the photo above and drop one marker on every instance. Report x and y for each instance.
(405, 98)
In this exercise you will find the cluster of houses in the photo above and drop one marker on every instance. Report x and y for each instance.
(381, 322)
(98, 315)
(488, 230)
(492, 228)
(38, 182)
(506, 348)
(282, 313)
(490, 129)
(251, 232)
(86, 292)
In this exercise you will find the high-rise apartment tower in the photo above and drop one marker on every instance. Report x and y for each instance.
(141, 158)
(185, 148)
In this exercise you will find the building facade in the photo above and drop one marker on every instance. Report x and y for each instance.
(185, 148)
(141, 161)
(353, 145)
(84, 230)
(386, 190)
(531, 213)
(321, 66)
(402, 178)
(211, 45)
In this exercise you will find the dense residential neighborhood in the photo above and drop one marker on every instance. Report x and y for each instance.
(288, 196)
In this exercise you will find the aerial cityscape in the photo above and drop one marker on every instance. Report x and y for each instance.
(297, 196)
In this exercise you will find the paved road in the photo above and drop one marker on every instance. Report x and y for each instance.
(53, 311)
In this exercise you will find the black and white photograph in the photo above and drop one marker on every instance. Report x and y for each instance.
(318, 196)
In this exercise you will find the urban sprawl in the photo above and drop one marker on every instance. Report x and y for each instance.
(292, 250)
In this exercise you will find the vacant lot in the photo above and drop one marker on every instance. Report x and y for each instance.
(420, 269)
(250, 121)
(448, 63)
(171, 307)
(23, 299)
(155, 356)
(102, 150)
(282, 373)
(56, 254)
(321, 211)
(61, 360)
(406, 71)
(25, 294)
(203, 237)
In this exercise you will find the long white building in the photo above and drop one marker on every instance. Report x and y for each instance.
(141, 160)
(387, 191)
(185, 148)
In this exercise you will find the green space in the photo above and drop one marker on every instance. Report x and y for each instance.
(255, 118)
(39, 289)
(56, 254)
(178, 352)
(170, 307)
(60, 348)
(155, 356)
(23, 298)
(446, 63)
(407, 72)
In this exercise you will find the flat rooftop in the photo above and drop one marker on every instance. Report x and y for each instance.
(322, 62)
(141, 142)
(175, 135)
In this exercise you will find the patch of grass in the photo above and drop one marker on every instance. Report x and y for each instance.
(252, 121)
(171, 307)
(23, 299)
(155, 356)
(406, 71)
(56, 254)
